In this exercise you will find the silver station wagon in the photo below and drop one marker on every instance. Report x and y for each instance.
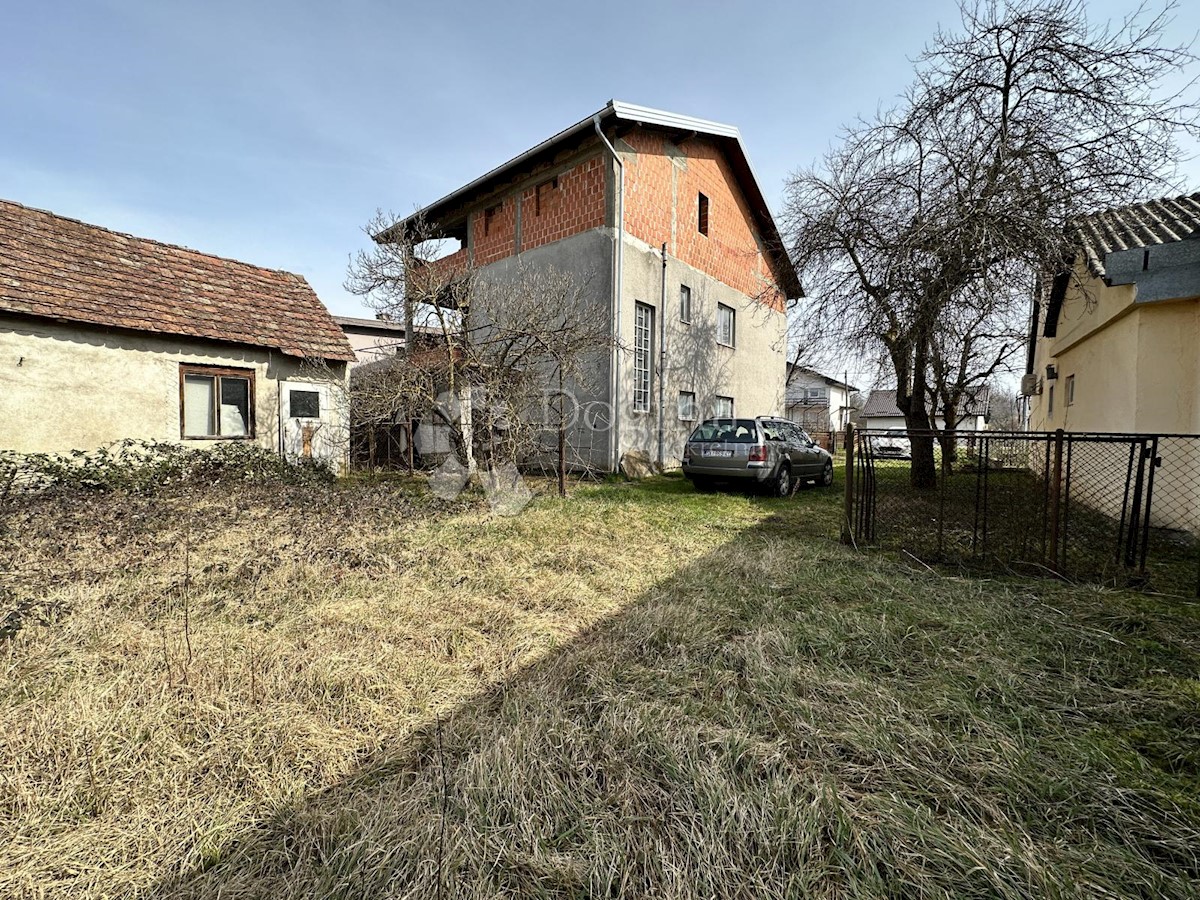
(765, 452)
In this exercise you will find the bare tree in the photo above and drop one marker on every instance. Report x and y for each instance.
(912, 232)
(518, 341)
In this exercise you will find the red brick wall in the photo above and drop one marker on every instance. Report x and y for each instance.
(729, 251)
(575, 205)
(497, 240)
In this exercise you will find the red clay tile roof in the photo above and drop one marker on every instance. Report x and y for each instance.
(58, 268)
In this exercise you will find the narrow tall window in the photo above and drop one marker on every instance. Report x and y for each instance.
(687, 406)
(685, 303)
(702, 215)
(1070, 390)
(541, 195)
(216, 403)
(1050, 403)
(726, 325)
(723, 407)
(489, 218)
(643, 353)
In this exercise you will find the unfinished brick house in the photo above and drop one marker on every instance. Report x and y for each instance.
(663, 215)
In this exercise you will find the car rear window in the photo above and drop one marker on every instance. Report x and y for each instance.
(735, 431)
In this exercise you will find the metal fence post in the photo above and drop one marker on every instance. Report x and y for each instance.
(848, 518)
(1055, 497)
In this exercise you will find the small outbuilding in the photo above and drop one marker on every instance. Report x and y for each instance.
(105, 336)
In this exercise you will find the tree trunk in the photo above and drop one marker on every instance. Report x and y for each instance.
(562, 438)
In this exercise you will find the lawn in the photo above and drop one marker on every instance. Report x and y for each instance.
(362, 691)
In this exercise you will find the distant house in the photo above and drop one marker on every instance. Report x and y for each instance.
(378, 338)
(880, 411)
(106, 336)
(815, 401)
(662, 215)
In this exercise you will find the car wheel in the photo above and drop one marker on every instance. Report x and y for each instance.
(827, 474)
(781, 485)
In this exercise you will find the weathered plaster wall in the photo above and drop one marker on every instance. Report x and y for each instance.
(66, 388)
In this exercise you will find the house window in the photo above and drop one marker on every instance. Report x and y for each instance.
(1050, 403)
(685, 303)
(216, 403)
(687, 406)
(1070, 390)
(643, 347)
(723, 407)
(304, 404)
(726, 325)
(702, 215)
(816, 395)
(541, 195)
(489, 218)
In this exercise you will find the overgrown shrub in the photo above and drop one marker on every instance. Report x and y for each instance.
(147, 466)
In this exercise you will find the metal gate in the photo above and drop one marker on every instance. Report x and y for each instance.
(1088, 506)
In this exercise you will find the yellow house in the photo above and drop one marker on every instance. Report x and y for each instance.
(1116, 345)
(106, 336)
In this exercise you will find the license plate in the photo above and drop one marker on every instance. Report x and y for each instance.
(725, 453)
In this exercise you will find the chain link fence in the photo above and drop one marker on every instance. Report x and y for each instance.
(1117, 509)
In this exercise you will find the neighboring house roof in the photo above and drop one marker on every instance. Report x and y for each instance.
(882, 404)
(1137, 226)
(727, 136)
(794, 369)
(52, 267)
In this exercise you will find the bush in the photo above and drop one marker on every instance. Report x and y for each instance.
(147, 466)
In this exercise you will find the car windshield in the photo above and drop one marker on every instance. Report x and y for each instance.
(737, 431)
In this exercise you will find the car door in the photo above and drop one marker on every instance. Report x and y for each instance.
(808, 460)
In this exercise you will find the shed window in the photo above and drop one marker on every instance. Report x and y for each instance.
(216, 403)
(304, 404)
(702, 214)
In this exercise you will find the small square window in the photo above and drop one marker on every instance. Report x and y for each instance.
(726, 325)
(687, 406)
(702, 215)
(304, 404)
(685, 303)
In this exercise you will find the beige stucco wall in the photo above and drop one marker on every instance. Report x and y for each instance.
(1136, 369)
(66, 388)
(753, 372)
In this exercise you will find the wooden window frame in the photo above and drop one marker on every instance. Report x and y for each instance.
(217, 372)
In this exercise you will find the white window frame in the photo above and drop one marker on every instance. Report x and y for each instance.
(731, 314)
(643, 356)
(687, 413)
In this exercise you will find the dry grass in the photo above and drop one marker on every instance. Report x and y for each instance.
(638, 692)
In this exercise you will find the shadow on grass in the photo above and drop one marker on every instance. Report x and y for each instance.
(779, 718)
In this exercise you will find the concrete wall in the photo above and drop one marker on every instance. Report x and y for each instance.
(371, 346)
(64, 387)
(753, 372)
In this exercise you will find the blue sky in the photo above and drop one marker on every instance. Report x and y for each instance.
(270, 132)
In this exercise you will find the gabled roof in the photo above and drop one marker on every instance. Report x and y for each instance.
(793, 369)
(52, 267)
(882, 404)
(1137, 226)
(727, 136)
